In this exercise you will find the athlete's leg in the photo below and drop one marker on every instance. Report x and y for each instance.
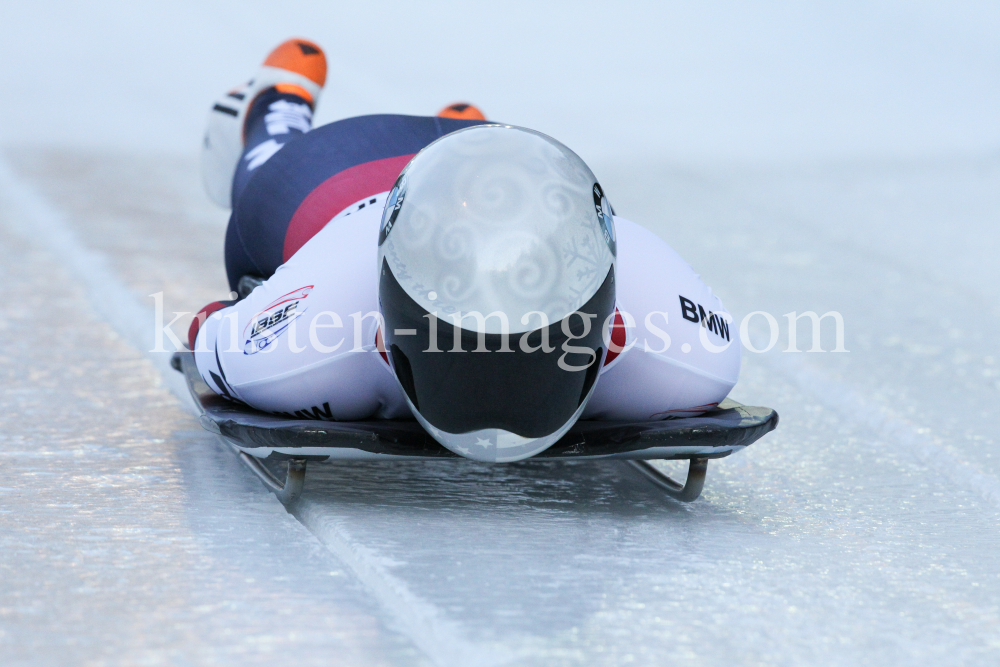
(277, 116)
(249, 124)
(298, 66)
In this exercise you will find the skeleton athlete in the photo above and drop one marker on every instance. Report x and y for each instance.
(468, 274)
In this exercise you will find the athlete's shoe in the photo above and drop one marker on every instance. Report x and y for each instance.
(297, 66)
(461, 111)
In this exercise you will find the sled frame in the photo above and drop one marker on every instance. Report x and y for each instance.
(289, 442)
(687, 492)
(295, 477)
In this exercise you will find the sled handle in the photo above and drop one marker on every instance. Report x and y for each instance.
(686, 492)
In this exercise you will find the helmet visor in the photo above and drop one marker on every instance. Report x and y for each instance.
(462, 380)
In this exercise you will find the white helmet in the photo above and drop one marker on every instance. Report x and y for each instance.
(497, 284)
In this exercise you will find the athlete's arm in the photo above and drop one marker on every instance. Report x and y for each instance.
(681, 356)
(303, 342)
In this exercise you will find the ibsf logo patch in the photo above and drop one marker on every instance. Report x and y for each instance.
(604, 213)
(267, 325)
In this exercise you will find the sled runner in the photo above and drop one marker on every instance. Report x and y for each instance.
(260, 436)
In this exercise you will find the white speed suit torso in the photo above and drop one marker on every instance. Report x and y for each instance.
(303, 344)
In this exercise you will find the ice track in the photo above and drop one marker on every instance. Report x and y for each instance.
(863, 531)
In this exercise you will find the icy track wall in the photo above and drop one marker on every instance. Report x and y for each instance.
(863, 530)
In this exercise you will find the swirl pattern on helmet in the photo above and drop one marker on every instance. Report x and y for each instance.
(498, 218)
